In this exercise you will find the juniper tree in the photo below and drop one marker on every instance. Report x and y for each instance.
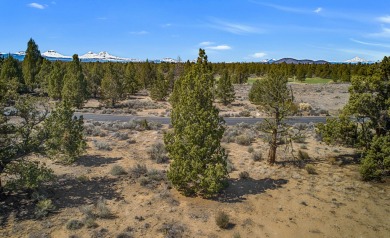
(56, 81)
(65, 140)
(75, 86)
(131, 85)
(368, 105)
(225, 89)
(31, 64)
(276, 99)
(112, 85)
(198, 161)
(159, 89)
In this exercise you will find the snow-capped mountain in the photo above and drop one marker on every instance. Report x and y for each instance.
(357, 59)
(105, 56)
(20, 53)
(168, 60)
(54, 54)
(268, 60)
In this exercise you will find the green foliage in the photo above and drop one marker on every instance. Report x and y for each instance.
(43, 208)
(42, 77)
(275, 98)
(131, 85)
(31, 64)
(112, 86)
(26, 174)
(199, 161)
(303, 155)
(159, 89)
(74, 90)
(339, 130)
(376, 163)
(55, 81)
(222, 220)
(65, 140)
(368, 104)
(225, 90)
(11, 79)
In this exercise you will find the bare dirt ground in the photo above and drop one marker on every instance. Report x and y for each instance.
(275, 201)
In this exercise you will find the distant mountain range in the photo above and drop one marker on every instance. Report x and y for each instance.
(106, 57)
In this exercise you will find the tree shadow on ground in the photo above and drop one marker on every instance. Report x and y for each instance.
(239, 187)
(347, 159)
(65, 192)
(95, 160)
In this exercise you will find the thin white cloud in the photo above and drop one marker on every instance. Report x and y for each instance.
(282, 8)
(37, 5)
(384, 19)
(318, 10)
(166, 25)
(231, 27)
(139, 32)
(370, 43)
(218, 47)
(206, 43)
(258, 55)
(385, 33)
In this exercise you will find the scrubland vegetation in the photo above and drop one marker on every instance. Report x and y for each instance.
(63, 176)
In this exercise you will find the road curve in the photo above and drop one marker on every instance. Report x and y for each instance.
(166, 120)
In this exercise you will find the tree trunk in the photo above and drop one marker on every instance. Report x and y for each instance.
(272, 148)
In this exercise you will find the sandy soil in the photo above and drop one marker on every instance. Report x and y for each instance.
(276, 201)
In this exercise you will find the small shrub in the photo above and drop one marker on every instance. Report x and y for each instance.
(102, 210)
(222, 220)
(172, 230)
(250, 149)
(244, 113)
(124, 235)
(38, 234)
(138, 170)
(244, 175)
(74, 224)
(310, 169)
(256, 156)
(302, 155)
(90, 222)
(144, 181)
(117, 170)
(243, 139)
(156, 175)
(121, 136)
(131, 141)
(101, 145)
(43, 208)
(158, 153)
(230, 166)
(303, 147)
(87, 210)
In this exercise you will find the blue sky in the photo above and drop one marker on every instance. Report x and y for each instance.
(229, 30)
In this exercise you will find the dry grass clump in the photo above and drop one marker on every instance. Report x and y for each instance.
(158, 153)
(222, 220)
(117, 170)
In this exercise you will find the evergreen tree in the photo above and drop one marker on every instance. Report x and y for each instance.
(275, 98)
(112, 87)
(56, 81)
(31, 64)
(300, 73)
(75, 85)
(131, 84)
(368, 104)
(198, 160)
(225, 89)
(42, 77)
(10, 79)
(159, 89)
(65, 139)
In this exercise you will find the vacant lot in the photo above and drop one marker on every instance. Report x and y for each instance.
(119, 188)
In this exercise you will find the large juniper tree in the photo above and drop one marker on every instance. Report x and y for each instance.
(31, 64)
(198, 160)
(274, 98)
(75, 85)
(225, 89)
(368, 105)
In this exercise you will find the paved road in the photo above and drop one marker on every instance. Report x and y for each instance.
(167, 120)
